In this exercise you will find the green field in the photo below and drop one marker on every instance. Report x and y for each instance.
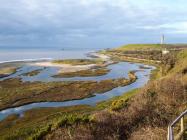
(135, 47)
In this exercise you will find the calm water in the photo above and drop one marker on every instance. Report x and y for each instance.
(9, 54)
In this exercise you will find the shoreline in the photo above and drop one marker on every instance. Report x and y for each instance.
(25, 60)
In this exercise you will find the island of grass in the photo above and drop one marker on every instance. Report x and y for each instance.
(20, 93)
(32, 73)
(83, 73)
(6, 71)
(79, 61)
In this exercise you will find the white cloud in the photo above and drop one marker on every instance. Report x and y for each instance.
(176, 27)
(43, 19)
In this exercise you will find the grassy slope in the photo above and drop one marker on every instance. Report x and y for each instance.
(132, 47)
(181, 63)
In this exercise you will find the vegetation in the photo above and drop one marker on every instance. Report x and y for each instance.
(14, 92)
(32, 73)
(135, 47)
(38, 123)
(6, 71)
(79, 61)
(83, 73)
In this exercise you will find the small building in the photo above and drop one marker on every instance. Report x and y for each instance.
(165, 51)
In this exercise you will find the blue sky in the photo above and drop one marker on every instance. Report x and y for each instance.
(91, 23)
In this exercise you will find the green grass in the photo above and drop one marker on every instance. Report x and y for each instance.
(117, 102)
(38, 122)
(83, 73)
(132, 47)
(7, 70)
(32, 73)
(181, 62)
(79, 61)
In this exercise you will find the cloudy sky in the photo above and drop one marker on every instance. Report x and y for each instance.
(91, 23)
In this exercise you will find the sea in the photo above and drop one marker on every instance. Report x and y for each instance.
(34, 53)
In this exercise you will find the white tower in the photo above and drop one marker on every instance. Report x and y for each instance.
(162, 39)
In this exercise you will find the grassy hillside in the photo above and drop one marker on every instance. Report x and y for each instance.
(143, 47)
(136, 47)
(181, 63)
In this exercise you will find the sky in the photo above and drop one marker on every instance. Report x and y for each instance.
(91, 23)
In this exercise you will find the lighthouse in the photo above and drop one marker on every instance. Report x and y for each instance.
(162, 40)
(165, 50)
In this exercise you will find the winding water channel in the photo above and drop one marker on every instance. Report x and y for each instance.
(118, 70)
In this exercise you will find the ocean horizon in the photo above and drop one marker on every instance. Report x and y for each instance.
(17, 53)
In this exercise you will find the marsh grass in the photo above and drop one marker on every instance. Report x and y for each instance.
(83, 73)
(6, 71)
(79, 61)
(32, 73)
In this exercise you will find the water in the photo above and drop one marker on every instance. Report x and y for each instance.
(116, 71)
(10, 54)
(143, 77)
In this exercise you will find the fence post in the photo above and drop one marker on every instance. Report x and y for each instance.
(168, 137)
(170, 133)
(182, 127)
